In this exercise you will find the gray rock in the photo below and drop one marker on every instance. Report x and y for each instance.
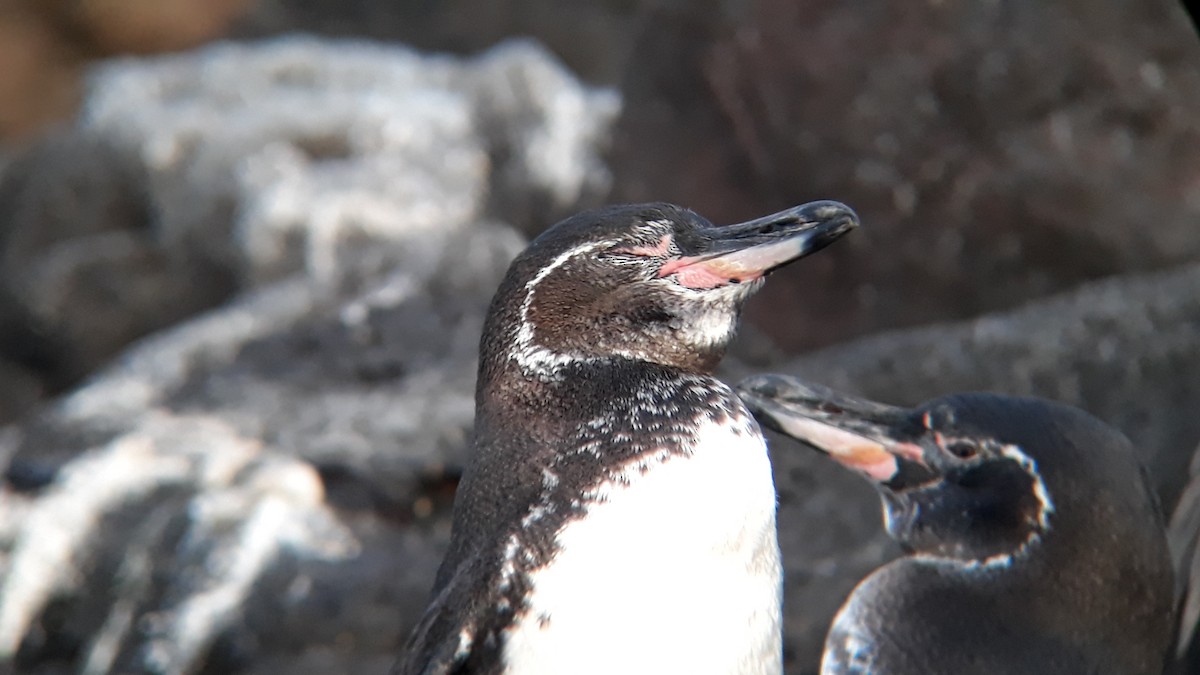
(266, 487)
(361, 404)
(303, 154)
(181, 503)
(189, 178)
(20, 389)
(996, 152)
(593, 39)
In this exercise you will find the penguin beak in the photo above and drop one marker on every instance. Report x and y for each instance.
(739, 253)
(874, 439)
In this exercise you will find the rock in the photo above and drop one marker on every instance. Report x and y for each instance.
(192, 177)
(323, 140)
(196, 511)
(266, 486)
(594, 39)
(996, 153)
(1122, 349)
(20, 389)
(370, 399)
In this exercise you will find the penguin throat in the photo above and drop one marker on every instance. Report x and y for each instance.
(991, 517)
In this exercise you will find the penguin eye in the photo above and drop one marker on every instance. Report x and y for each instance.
(962, 449)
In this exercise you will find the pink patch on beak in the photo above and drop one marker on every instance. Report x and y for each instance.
(700, 273)
(696, 276)
(746, 264)
(848, 449)
(880, 468)
(909, 451)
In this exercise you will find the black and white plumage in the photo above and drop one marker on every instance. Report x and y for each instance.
(618, 515)
(1035, 542)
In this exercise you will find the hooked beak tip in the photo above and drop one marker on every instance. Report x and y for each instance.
(751, 250)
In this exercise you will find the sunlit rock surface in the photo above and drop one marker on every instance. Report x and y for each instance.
(262, 487)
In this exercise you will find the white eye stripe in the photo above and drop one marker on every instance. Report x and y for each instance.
(1045, 504)
(711, 328)
(530, 356)
(1045, 510)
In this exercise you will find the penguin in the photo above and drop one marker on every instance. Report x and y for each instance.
(618, 513)
(1034, 541)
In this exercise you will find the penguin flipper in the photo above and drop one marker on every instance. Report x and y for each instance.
(445, 639)
(429, 651)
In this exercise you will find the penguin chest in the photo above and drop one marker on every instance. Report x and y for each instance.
(675, 567)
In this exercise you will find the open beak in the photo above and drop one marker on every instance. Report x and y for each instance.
(874, 439)
(738, 253)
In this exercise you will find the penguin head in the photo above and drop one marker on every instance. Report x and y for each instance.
(975, 478)
(651, 282)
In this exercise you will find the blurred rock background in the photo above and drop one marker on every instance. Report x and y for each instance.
(241, 284)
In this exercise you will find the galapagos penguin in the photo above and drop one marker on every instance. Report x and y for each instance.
(618, 514)
(1034, 541)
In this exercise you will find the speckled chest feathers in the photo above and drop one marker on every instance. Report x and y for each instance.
(639, 529)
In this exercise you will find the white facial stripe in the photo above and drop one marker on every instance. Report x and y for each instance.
(1045, 504)
(1045, 510)
(705, 330)
(530, 356)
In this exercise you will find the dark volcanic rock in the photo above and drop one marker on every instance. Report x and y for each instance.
(995, 151)
(592, 38)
